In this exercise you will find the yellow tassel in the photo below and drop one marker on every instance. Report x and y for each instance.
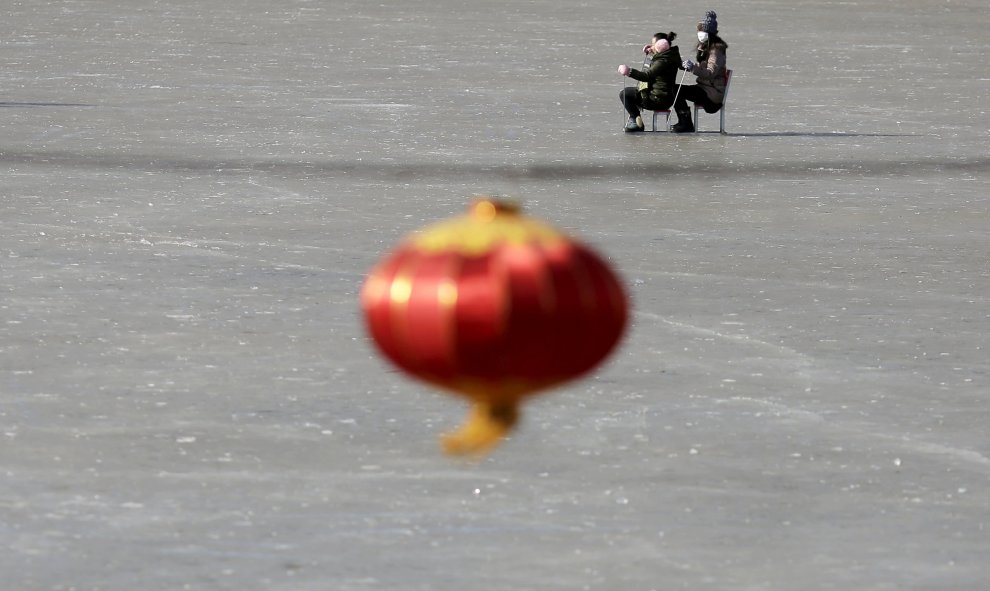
(484, 429)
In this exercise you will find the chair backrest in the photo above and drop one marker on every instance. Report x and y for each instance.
(728, 78)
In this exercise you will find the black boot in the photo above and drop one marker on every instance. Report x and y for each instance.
(684, 123)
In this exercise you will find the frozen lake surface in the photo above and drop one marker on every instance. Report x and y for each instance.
(192, 193)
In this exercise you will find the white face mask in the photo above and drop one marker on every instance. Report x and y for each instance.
(702, 36)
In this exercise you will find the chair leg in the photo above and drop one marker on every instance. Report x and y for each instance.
(697, 120)
(721, 121)
(666, 115)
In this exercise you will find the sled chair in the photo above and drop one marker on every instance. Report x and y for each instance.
(664, 112)
(721, 112)
(666, 115)
(698, 110)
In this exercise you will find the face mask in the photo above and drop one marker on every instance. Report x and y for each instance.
(702, 36)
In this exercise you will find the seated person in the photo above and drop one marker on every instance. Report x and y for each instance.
(709, 89)
(659, 82)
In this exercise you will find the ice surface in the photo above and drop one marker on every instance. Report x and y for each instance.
(193, 191)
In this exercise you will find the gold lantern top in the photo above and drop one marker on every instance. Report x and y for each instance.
(489, 222)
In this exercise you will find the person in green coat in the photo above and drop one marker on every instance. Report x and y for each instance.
(658, 82)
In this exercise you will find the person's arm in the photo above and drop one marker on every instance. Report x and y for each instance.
(652, 73)
(714, 67)
(641, 76)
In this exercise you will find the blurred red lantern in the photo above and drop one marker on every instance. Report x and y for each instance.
(494, 306)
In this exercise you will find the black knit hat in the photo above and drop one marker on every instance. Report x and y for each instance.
(710, 24)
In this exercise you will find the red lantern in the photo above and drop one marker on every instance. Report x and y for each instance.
(494, 306)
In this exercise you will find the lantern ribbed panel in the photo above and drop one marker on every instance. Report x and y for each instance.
(515, 319)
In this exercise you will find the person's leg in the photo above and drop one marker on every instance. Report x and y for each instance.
(709, 106)
(685, 124)
(631, 101)
(688, 93)
(696, 95)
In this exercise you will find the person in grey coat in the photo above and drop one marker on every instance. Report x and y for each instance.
(709, 67)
